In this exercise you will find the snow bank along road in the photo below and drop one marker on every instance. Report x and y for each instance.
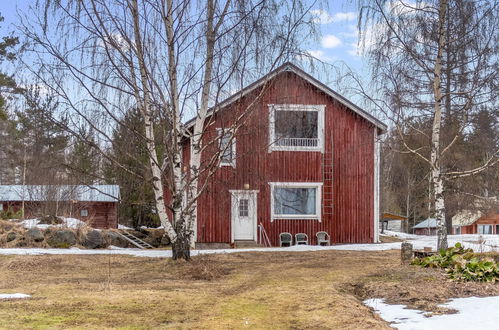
(485, 243)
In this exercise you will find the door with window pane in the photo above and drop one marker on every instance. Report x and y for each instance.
(243, 215)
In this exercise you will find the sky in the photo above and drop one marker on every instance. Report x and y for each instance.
(337, 22)
(336, 45)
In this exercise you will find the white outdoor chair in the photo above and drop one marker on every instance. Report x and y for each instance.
(323, 237)
(285, 239)
(301, 239)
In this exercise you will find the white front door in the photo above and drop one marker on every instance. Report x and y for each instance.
(244, 211)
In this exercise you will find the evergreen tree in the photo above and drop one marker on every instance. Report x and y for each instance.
(137, 205)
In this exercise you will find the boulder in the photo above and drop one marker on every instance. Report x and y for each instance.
(115, 239)
(93, 240)
(11, 236)
(62, 239)
(165, 240)
(154, 236)
(34, 234)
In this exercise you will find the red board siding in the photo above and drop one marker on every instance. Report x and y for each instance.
(349, 141)
(491, 219)
(100, 214)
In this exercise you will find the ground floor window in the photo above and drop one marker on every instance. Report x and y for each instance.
(457, 230)
(84, 213)
(497, 229)
(485, 229)
(295, 200)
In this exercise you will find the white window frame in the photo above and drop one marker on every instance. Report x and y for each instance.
(84, 211)
(485, 224)
(318, 201)
(320, 108)
(220, 132)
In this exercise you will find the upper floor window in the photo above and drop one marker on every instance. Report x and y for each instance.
(296, 127)
(227, 146)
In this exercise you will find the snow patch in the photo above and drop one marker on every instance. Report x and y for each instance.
(67, 223)
(473, 313)
(120, 226)
(14, 296)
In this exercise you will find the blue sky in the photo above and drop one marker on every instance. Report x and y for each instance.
(337, 22)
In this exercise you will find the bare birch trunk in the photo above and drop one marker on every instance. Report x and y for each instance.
(196, 146)
(145, 110)
(436, 173)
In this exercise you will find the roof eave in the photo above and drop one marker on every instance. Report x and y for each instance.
(290, 67)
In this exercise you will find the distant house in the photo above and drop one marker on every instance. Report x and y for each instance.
(426, 227)
(97, 205)
(306, 160)
(475, 222)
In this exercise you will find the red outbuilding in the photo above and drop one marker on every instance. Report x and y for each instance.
(305, 160)
(97, 205)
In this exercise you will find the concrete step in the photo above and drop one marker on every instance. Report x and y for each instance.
(246, 244)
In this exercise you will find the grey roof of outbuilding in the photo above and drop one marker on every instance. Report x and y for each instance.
(37, 193)
(428, 223)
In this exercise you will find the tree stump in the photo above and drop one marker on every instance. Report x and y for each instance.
(406, 253)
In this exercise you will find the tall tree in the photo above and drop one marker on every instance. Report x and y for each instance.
(8, 87)
(426, 56)
(168, 59)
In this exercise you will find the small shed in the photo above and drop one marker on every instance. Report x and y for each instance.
(426, 227)
(97, 205)
(392, 222)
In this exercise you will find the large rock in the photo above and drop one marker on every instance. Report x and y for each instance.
(154, 236)
(11, 236)
(34, 234)
(165, 240)
(93, 240)
(115, 239)
(62, 239)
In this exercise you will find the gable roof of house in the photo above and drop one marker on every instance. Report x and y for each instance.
(290, 67)
(466, 218)
(39, 193)
(428, 223)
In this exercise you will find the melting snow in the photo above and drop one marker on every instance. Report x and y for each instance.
(67, 222)
(473, 313)
(14, 296)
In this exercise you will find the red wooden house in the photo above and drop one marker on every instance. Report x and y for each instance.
(97, 205)
(305, 160)
(469, 222)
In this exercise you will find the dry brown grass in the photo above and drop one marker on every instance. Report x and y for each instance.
(309, 290)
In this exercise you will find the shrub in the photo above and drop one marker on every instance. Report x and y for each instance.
(10, 214)
(462, 264)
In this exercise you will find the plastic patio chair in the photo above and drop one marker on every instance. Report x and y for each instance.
(301, 239)
(285, 238)
(323, 237)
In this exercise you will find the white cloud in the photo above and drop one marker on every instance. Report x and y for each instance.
(330, 41)
(321, 16)
(404, 7)
(348, 16)
(318, 54)
(353, 32)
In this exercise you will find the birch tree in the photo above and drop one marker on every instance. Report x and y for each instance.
(432, 59)
(167, 59)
